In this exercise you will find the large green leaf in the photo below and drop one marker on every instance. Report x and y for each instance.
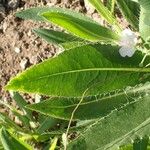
(80, 27)
(99, 68)
(91, 107)
(116, 129)
(12, 143)
(130, 11)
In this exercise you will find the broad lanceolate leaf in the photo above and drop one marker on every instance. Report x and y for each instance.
(82, 28)
(99, 68)
(105, 13)
(116, 129)
(130, 10)
(62, 39)
(91, 107)
(74, 22)
(11, 143)
(144, 25)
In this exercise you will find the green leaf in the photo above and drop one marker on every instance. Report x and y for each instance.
(141, 144)
(126, 147)
(99, 68)
(113, 2)
(11, 143)
(130, 10)
(47, 123)
(118, 128)
(54, 144)
(23, 118)
(21, 103)
(105, 13)
(74, 22)
(62, 39)
(104, 104)
(33, 13)
(58, 132)
(5, 119)
(81, 27)
(144, 22)
(1, 146)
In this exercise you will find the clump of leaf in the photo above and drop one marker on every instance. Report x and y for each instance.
(116, 101)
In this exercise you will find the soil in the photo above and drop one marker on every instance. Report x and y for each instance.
(19, 46)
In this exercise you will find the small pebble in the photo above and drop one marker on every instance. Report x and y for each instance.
(33, 124)
(37, 98)
(29, 33)
(4, 26)
(13, 4)
(17, 50)
(23, 63)
(17, 121)
(50, 4)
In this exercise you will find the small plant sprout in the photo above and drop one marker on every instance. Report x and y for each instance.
(127, 43)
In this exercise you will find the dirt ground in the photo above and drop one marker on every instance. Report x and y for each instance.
(19, 46)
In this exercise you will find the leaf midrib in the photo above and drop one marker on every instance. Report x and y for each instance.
(140, 70)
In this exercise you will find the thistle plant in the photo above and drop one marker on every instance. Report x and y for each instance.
(100, 81)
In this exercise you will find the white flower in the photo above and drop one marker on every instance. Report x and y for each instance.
(127, 42)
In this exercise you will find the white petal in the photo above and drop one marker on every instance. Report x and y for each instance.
(126, 51)
(123, 51)
(130, 52)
